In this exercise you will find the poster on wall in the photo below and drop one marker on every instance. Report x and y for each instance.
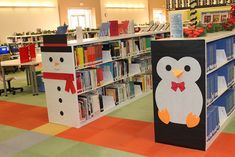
(176, 27)
(179, 92)
(207, 18)
(214, 17)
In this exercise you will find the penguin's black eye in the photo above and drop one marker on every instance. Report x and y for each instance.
(168, 68)
(61, 60)
(187, 68)
(50, 59)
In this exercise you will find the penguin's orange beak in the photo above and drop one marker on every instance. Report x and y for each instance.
(177, 73)
(56, 64)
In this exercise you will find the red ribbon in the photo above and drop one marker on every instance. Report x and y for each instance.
(175, 86)
(69, 78)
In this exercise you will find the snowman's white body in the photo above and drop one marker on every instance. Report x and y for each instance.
(179, 104)
(69, 102)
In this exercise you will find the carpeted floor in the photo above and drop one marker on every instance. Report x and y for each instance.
(26, 132)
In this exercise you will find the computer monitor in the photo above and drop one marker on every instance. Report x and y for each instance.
(4, 50)
(13, 48)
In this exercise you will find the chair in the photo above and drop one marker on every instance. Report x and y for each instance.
(10, 89)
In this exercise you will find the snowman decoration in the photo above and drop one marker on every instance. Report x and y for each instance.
(60, 84)
(178, 97)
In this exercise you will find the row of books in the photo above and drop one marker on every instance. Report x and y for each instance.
(211, 56)
(94, 54)
(114, 28)
(91, 78)
(89, 105)
(213, 123)
(226, 101)
(88, 55)
(227, 72)
(212, 87)
(174, 4)
(144, 81)
(94, 103)
(145, 62)
(227, 45)
(214, 49)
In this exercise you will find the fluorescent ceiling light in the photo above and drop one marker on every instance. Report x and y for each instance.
(124, 6)
(26, 5)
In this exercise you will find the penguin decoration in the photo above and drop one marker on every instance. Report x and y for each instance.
(178, 97)
(179, 92)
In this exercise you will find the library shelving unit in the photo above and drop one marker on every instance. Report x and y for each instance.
(63, 70)
(193, 85)
(185, 4)
(22, 40)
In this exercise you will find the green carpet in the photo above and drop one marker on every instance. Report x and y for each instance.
(7, 132)
(57, 147)
(25, 97)
(139, 110)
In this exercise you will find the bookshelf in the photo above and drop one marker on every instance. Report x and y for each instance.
(200, 98)
(22, 40)
(185, 4)
(89, 79)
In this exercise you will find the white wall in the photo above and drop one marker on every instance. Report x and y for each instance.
(27, 19)
(138, 15)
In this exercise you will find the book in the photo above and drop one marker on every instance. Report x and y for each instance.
(100, 79)
(112, 92)
(79, 82)
(113, 28)
(24, 54)
(104, 29)
(80, 56)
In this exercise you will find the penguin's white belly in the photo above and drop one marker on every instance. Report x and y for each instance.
(179, 104)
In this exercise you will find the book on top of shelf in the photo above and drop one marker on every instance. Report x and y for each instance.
(125, 26)
(104, 29)
(113, 27)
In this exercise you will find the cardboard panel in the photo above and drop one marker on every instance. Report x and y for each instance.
(179, 92)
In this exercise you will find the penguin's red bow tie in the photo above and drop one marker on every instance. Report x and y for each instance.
(175, 86)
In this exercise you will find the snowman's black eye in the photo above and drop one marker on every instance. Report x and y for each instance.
(168, 68)
(50, 59)
(61, 60)
(187, 68)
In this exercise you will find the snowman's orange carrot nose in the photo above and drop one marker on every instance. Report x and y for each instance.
(56, 64)
(177, 73)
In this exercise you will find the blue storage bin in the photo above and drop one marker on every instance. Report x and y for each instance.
(41, 87)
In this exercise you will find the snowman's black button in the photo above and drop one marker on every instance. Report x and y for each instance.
(60, 100)
(59, 88)
(50, 59)
(61, 113)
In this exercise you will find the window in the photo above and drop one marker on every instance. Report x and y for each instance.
(81, 17)
(159, 16)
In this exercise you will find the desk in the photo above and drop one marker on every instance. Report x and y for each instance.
(30, 68)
